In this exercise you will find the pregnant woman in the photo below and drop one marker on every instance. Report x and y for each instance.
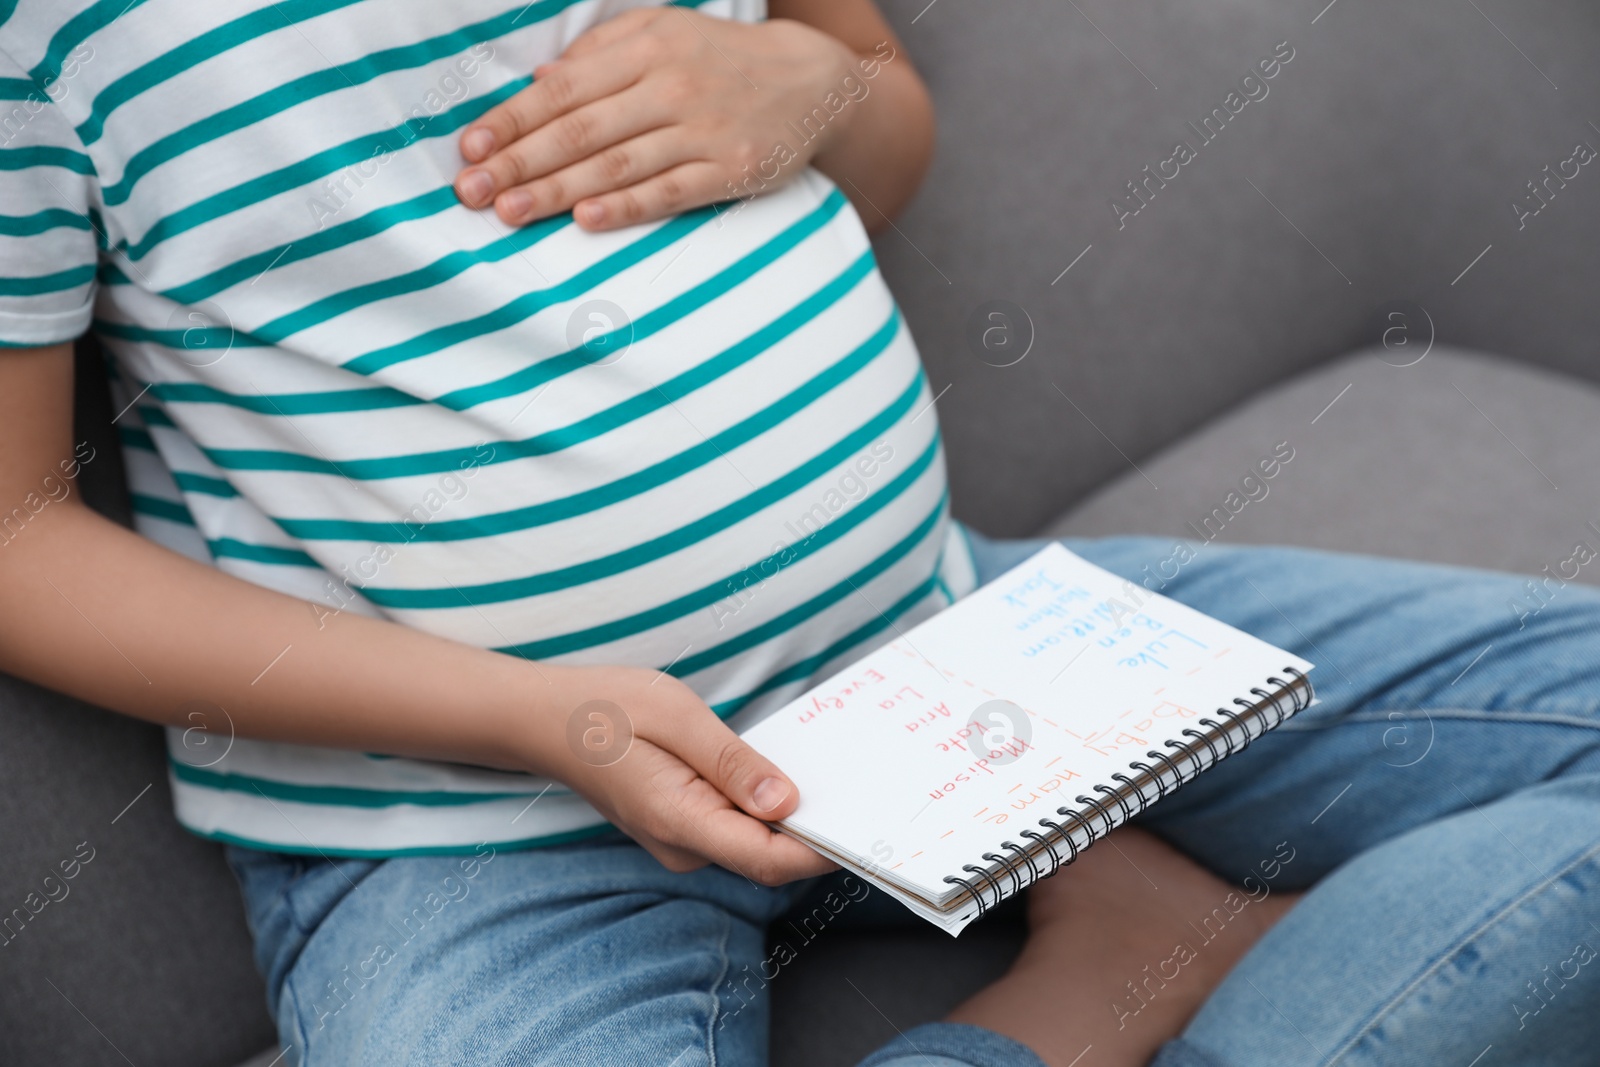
(511, 401)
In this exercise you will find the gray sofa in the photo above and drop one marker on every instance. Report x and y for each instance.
(1338, 265)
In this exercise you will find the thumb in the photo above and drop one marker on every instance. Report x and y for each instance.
(738, 771)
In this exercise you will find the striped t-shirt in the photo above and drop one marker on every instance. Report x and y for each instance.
(703, 445)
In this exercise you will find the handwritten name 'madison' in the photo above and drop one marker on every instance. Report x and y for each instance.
(1252, 89)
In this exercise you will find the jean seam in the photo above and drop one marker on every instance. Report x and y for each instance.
(1298, 725)
(302, 1039)
(716, 986)
(1552, 719)
(1483, 928)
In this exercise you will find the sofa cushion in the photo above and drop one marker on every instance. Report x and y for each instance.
(850, 992)
(1385, 158)
(1458, 458)
(142, 953)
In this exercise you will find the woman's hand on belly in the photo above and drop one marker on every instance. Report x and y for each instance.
(661, 109)
(657, 762)
(648, 114)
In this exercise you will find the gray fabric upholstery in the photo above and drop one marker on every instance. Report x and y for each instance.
(851, 991)
(1395, 141)
(1383, 159)
(1462, 458)
(146, 956)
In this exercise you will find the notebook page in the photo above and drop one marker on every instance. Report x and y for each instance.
(971, 727)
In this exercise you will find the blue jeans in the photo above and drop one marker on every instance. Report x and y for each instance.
(1442, 804)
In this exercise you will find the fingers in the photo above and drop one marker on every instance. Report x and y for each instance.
(673, 191)
(623, 163)
(696, 818)
(753, 849)
(559, 89)
(676, 860)
(688, 789)
(740, 773)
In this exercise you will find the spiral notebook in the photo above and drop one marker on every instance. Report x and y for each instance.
(989, 746)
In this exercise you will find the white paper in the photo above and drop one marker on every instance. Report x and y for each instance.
(908, 767)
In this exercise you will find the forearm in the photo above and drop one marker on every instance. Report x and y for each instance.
(878, 156)
(94, 610)
(879, 146)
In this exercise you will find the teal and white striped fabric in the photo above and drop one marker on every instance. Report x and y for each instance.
(343, 385)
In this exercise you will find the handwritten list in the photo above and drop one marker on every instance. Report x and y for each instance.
(944, 745)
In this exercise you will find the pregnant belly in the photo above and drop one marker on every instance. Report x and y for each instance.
(731, 494)
(706, 444)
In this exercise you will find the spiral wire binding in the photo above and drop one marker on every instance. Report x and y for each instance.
(1097, 819)
(1019, 850)
(1099, 809)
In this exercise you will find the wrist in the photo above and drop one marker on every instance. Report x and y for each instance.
(558, 720)
(515, 713)
(813, 69)
(841, 95)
